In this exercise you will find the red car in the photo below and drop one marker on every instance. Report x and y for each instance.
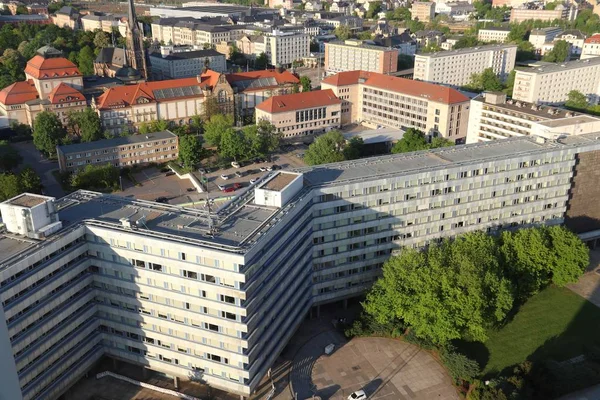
(237, 186)
(229, 189)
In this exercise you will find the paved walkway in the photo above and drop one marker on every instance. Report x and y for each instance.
(385, 369)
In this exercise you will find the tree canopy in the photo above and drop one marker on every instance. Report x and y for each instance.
(559, 53)
(9, 157)
(190, 151)
(485, 81)
(415, 140)
(12, 185)
(577, 101)
(327, 148)
(48, 132)
(86, 124)
(305, 83)
(343, 32)
(215, 127)
(96, 177)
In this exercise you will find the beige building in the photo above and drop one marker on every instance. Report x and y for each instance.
(66, 17)
(423, 11)
(190, 31)
(551, 83)
(103, 22)
(591, 47)
(493, 117)
(283, 48)
(456, 67)
(518, 15)
(378, 100)
(499, 35)
(157, 147)
(354, 55)
(541, 36)
(251, 45)
(301, 114)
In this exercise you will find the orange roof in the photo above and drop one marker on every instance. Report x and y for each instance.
(18, 93)
(594, 39)
(64, 93)
(282, 77)
(48, 68)
(425, 90)
(299, 101)
(122, 96)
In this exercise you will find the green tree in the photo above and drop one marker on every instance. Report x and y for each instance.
(343, 32)
(85, 60)
(295, 88)
(48, 132)
(211, 108)
(98, 177)
(22, 10)
(215, 127)
(30, 180)
(10, 186)
(559, 53)
(262, 138)
(13, 63)
(101, 40)
(486, 81)
(305, 83)
(190, 151)
(157, 125)
(86, 124)
(364, 35)
(354, 148)
(412, 140)
(9, 157)
(374, 9)
(439, 141)
(577, 101)
(510, 82)
(328, 148)
(233, 144)
(261, 61)
(466, 41)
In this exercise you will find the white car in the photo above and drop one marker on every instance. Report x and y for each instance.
(224, 177)
(263, 169)
(235, 164)
(253, 181)
(358, 395)
(221, 187)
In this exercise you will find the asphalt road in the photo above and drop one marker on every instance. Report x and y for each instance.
(42, 166)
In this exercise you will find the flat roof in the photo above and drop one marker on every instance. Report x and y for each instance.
(12, 246)
(28, 200)
(185, 55)
(361, 46)
(577, 119)
(372, 136)
(280, 181)
(539, 111)
(564, 66)
(119, 141)
(466, 50)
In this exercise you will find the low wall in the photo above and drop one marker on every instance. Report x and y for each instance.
(189, 176)
(146, 385)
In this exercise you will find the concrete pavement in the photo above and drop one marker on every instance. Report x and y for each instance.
(42, 166)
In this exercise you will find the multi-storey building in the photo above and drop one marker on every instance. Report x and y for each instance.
(456, 67)
(493, 117)
(551, 83)
(172, 64)
(493, 34)
(155, 147)
(575, 38)
(524, 13)
(216, 296)
(422, 11)
(591, 47)
(189, 31)
(283, 48)
(538, 37)
(104, 22)
(66, 17)
(302, 114)
(354, 55)
(380, 100)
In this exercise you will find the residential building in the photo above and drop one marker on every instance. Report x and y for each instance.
(378, 100)
(66, 17)
(98, 21)
(283, 48)
(591, 47)
(524, 13)
(217, 297)
(52, 83)
(171, 64)
(422, 11)
(177, 100)
(302, 114)
(456, 67)
(575, 38)
(493, 34)
(428, 38)
(551, 83)
(493, 117)
(35, 8)
(189, 31)
(207, 10)
(254, 87)
(157, 147)
(450, 42)
(313, 6)
(455, 10)
(353, 55)
(343, 7)
(508, 3)
(251, 45)
(538, 37)
(33, 19)
(352, 22)
(403, 42)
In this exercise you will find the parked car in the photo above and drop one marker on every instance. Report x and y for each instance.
(203, 170)
(170, 173)
(221, 187)
(237, 186)
(273, 167)
(358, 395)
(253, 181)
(263, 169)
(161, 199)
(238, 174)
(191, 189)
(269, 168)
(164, 169)
(224, 177)
(235, 164)
(229, 189)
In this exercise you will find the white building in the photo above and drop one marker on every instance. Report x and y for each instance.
(171, 63)
(283, 48)
(551, 83)
(456, 10)
(189, 31)
(354, 55)
(493, 117)
(575, 38)
(537, 37)
(217, 296)
(456, 67)
(591, 47)
(493, 34)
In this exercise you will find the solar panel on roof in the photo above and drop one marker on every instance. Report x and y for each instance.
(255, 83)
(170, 93)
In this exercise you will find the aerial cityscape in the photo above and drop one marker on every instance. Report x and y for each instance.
(300, 199)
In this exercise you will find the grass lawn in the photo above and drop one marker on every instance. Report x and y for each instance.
(555, 324)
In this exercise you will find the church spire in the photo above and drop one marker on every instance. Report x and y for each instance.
(132, 22)
(136, 54)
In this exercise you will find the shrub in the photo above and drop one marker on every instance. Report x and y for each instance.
(459, 366)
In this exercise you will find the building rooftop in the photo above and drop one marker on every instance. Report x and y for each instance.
(595, 39)
(567, 65)
(28, 200)
(186, 55)
(372, 136)
(119, 141)
(538, 112)
(360, 45)
(280, 181)
(468, 50)
(543, 31)
(299, 101)
(496, 28)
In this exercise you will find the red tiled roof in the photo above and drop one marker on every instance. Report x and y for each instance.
(122, 96)
(64, 93)
(282, 77)
(299, 101)
(594, 39)
(18, 93)
(425, 90)
(48, 68)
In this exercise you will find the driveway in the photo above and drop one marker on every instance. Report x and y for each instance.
(588, 285)
(42, 166)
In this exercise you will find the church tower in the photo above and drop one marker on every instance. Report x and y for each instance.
(135, 43)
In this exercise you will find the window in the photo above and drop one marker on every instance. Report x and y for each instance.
(227, 299)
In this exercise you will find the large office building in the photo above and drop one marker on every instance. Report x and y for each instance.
(171, 63)
(551, 83)
(492, 116)
(423, 11)
(379, 100)
(525, 13)
(354, 55)
(157, 147)
(217, 296)
(541, 36)
(456, 67)
(283, 48)
(193, 32)
(493, 34)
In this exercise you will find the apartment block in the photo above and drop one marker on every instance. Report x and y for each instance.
(524, 13)
(591, 47)
(300, 114)
(456, 67)
(354, 55)
(192, 31)
(155, 147)
(541, 36)
(422, 11)
(492, 116)
(217, 296)
(173, 64)
(379, 100)
(551, 83)
(283, 48)
(493, 34)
